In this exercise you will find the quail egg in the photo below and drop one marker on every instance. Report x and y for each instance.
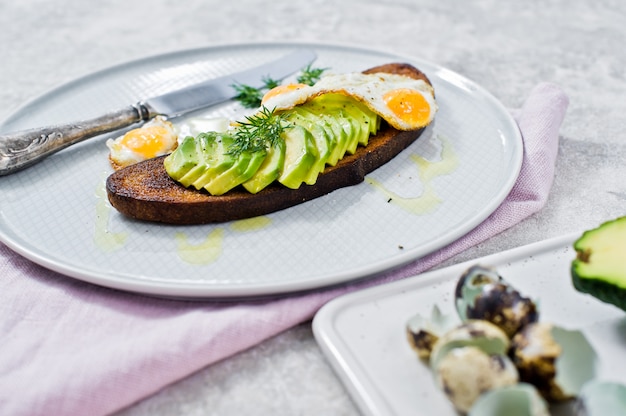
(155, 138)
(481, 293)
(467, 372)
(422, 333)
(404, 102)
(482, 334)
(557, 361)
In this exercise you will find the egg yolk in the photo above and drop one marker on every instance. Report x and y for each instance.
(409, 105)
(281, 89)
(147, 141)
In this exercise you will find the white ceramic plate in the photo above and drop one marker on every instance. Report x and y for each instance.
(363, 334)
(57, 215)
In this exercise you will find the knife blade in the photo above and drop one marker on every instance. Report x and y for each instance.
(22, 149)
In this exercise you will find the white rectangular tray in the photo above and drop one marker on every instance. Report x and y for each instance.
(363, 334)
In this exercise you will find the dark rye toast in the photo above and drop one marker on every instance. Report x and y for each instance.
(145, 191)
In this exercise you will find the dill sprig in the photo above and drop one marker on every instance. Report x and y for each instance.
(269, 83)
(310, 75)
(250, 97)
(259, 132)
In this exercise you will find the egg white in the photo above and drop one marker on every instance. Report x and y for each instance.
(122, 155)
(366, 88)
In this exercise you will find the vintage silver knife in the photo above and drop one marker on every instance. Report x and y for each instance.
(24, 148)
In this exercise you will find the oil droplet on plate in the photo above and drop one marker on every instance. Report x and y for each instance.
(428, 200)
(205, 252)
(103, 237)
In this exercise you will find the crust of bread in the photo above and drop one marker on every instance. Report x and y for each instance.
(145, 191)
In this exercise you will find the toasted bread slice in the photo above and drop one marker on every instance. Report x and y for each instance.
(145, 191)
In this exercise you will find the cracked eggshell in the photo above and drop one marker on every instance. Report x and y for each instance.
(557, 361)
(422, 333)
(481, 293)
(601, 398)
(467, 372)
(482, 334)
(520, 399)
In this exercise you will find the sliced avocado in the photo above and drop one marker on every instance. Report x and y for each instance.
(600, 265)
(363, 120)
(349, 112)
(352, 132)
(357, 134)
(245, 166)
(206, 145)
(269, 170)
(340, 136)
(216, 160)
(336, 111)
(336, 134)
(300, 155)
(323, 131)
(368, 117)
(183, 159)
(323, 142)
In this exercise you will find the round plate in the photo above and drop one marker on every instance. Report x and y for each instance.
(56, 212)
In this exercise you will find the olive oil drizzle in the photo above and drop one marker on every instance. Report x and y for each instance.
(206, 252)
(428, 200)
(210, 250)
(103, 238)
(250, 224)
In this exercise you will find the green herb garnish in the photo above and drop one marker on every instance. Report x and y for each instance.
(258, 132)
(269, 83)
(250, 97)
(310, 76)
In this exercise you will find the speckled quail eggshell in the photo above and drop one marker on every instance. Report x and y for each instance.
(467, 372)
(556, 360)
(601, 398)
(481, 293)
(469, 286)
(422, 332)
(481, 334)
(520, 399)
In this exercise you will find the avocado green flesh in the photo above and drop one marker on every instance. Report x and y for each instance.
(349, 114)
(300, 156)
(340, 139)
(215, 162)
(320, 133)
(184, 160)
(323, 142)
(600, 266)
(243, 169)
(188, 163)
(269, 170)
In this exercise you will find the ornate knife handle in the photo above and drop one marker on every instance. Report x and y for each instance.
(21, 149)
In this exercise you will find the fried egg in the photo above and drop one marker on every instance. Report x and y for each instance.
(155, 138)
(403, 102)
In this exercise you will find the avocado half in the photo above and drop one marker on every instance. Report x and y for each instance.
(600, 265)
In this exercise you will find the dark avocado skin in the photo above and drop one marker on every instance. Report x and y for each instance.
(611, 233)
(598, 288)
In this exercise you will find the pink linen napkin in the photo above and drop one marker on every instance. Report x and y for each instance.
(70, 348)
